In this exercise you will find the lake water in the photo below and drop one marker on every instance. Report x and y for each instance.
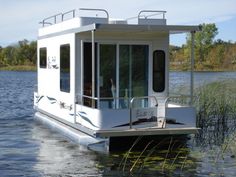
(28, 148)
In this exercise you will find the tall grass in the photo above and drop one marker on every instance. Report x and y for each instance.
(216, 116)
(171, 159)
(216, 111)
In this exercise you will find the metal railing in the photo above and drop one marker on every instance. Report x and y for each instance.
(54, 18)
(184, 100)
(71, 12)
(81, 100)
(131, 106)
(101, 10)
(155, 12)
(60, 17)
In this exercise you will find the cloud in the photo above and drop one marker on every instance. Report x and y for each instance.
(19, 19)
(189, 11)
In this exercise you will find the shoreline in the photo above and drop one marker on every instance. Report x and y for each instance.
(19, 68)
(34, 68)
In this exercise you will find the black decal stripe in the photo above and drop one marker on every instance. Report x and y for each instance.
(87, 119)
(38, 99)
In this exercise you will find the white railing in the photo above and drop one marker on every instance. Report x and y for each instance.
(131, 106)
(183, 100)
(153, 13)
(60, 17)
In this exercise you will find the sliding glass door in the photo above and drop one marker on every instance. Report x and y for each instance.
(122, 73)
(133, 72)
(107, 77)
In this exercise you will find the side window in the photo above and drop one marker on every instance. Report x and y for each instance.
(65, 68)
(43, 57)
(158, 70)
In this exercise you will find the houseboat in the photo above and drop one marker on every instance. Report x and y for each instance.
(104, 82)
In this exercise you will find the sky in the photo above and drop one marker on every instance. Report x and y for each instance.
(19, 19)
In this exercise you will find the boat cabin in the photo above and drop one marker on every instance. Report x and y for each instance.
(106, 78)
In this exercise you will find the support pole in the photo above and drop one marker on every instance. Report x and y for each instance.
(192, 66)
(93, 69)
(75, 88)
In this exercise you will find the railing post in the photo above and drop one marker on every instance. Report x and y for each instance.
(130, 109)
(131, 106)
(93, 69)
(192, 66)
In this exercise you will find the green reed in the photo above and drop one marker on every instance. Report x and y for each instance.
(216, 112)
(216, 102)
(156, 158)
(216, 116)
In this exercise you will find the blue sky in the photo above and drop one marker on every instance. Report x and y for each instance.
(19, 18)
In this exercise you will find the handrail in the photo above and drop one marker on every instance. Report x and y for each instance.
(176, 97)
(45, 23)
(55, 17)
(68, 12)
(151, 11)
(157, 12)
(62, 15)
(131, 106)
(51, 17)
(101, 98)
(102, 10)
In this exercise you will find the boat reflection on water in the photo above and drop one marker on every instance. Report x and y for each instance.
(58, 155)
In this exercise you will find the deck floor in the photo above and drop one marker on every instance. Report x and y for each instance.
(147, 131)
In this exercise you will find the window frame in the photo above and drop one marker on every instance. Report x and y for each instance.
(159, 71)
(63, 87)
(42, 62)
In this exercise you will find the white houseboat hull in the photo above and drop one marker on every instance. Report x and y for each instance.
(104, 83)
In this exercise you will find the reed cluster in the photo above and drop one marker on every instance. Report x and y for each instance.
(216, 111)
(167, 156)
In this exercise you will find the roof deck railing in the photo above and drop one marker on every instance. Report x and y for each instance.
(98, 10)
(51, 20)
(153, 13)
(71, 12)
(60, 17)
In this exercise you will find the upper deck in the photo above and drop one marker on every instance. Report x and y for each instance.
(69, 22)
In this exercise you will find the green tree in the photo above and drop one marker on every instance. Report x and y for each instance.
(203, 41)
(22, 53)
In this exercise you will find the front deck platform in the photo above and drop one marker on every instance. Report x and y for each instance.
(149, 131)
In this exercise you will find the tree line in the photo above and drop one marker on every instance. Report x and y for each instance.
(24, 53)
(210, 54)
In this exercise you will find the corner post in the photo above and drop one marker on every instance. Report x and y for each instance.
(75, 88)
(192, 66)
(93, 69)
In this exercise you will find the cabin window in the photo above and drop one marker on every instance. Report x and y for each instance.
(43, 57)
(159, 71)
(65, 68)
(107, 76)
